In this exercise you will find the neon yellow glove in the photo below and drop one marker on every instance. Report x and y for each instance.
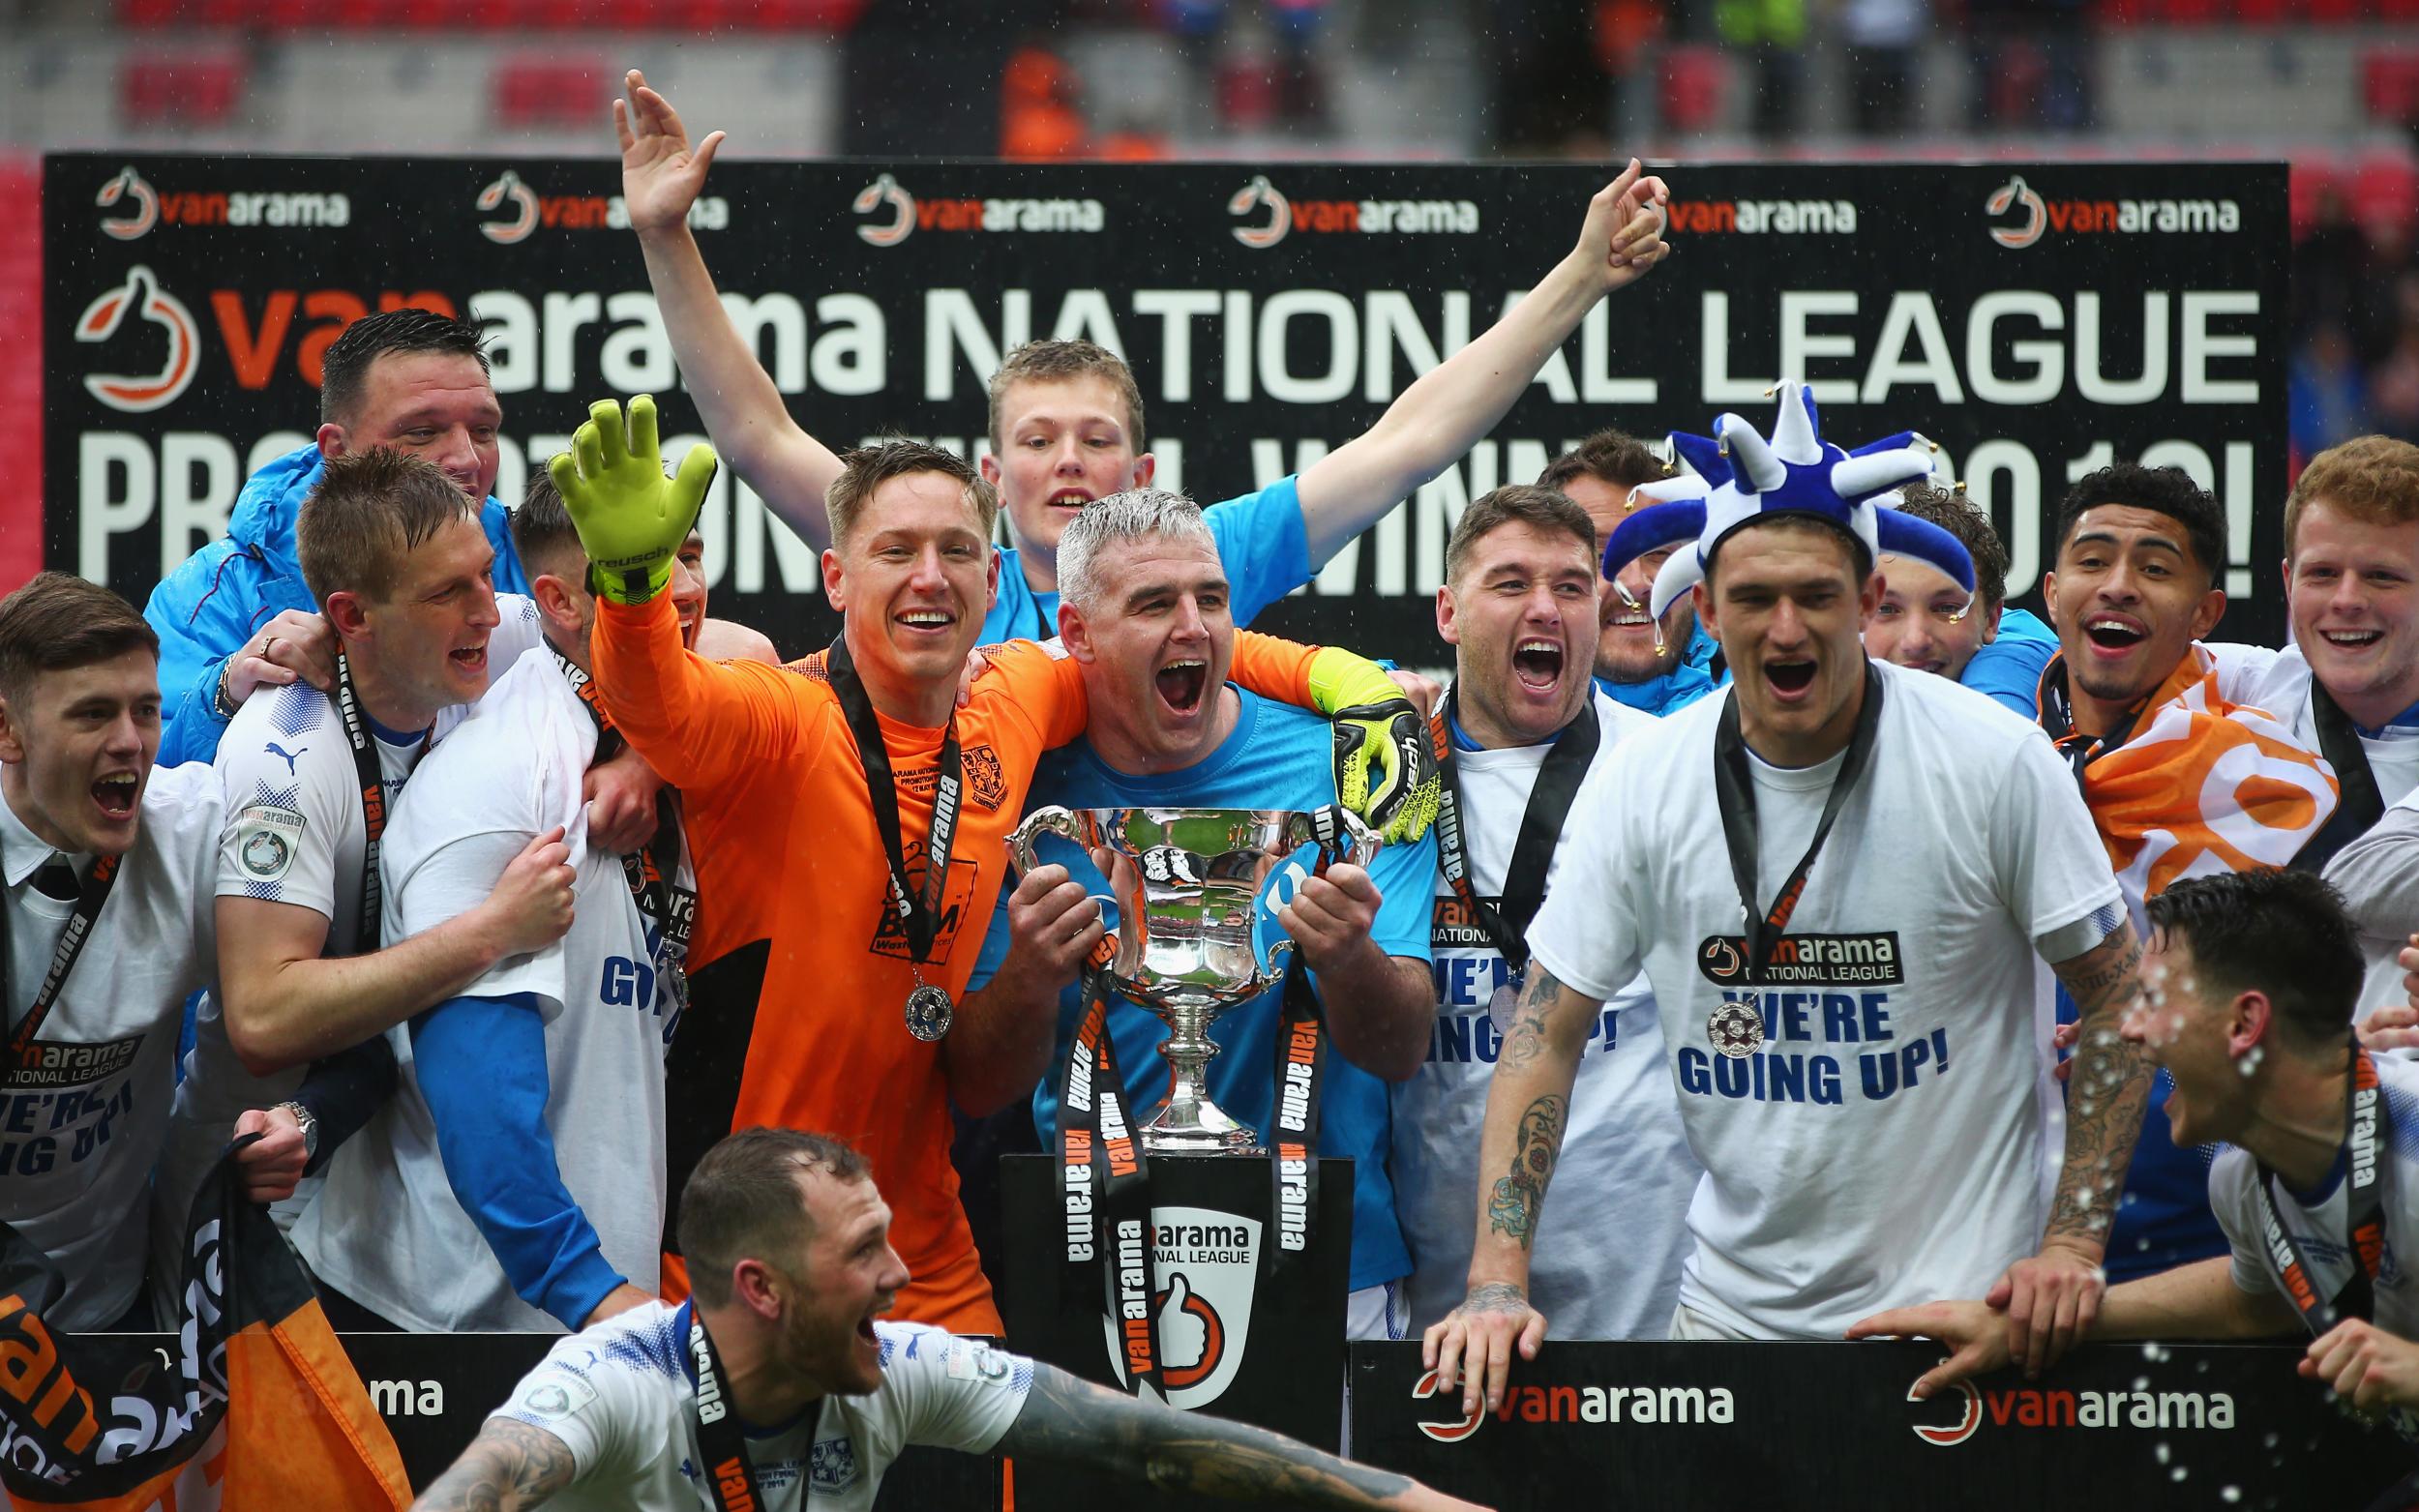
(1384, 766)
(632, 520)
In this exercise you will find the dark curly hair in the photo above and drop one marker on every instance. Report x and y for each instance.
(2161, 490)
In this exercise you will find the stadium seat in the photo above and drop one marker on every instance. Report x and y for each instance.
(2389, 85)
(180, 89)
(544, 90)
(1693, 79)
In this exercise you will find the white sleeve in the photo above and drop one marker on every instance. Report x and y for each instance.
(452, 879)
(599, 1415)
(954, 1393)
(1587, 931)
(2054, 872)
(2241, 669)
(2236, 1204)
(284, 818)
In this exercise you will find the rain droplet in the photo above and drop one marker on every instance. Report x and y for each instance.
(2229, 1493)
(2178, 1474)
(2162, 1452)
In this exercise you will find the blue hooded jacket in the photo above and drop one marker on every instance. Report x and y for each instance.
(213, 603)
(1690, 678)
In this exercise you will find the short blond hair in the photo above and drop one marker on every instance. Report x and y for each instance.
(868, 467)
(1059, 362)
(367, 514)
(2374, 478)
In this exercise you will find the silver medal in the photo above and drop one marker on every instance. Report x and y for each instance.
(1735, 1029)
(928, 1013)
(1500, 1006)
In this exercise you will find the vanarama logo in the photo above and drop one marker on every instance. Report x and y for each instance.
(282, 209)
(1764, 217)
(142, 296)
(1643, 1406)
(1269, 215)
(526, 211)
(1209, 1261)
(2123, 216)
(2029, 1406)
(899, 215)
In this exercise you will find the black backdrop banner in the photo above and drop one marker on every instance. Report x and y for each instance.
(2037, 320)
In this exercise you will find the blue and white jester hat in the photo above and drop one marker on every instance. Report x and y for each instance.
(1741, 477)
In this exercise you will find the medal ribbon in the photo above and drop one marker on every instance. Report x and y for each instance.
(729, 1477)
(2362, 805)
(373, 781)
(73, 935)
(919, 918)
(1505, 922)
(653, 873)
(1735, 790)
(1105, 1184)
(1301, 1053)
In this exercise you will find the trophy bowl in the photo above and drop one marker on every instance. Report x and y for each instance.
(1188, 885)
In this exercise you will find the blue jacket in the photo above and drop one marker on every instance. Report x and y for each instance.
(211, 605)
(1690, 678)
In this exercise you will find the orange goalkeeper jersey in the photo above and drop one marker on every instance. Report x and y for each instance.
(798, 971)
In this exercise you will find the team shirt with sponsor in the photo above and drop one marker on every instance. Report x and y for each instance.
(1605, 1267)
(2279, 682)
(294, 834)
(387, 1230)
(82, 1125)
(1276, 757)
(622, 1395)
(1881, 1128)
(2316, 1220)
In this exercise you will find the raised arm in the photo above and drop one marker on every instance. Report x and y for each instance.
(751, 424)
(1527, 1102)
(1439, 418)
(1076, 1422)
(510, 1465)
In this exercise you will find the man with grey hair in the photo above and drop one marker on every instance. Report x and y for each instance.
(1144, 609)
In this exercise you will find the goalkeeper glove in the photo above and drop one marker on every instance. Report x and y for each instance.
(632, 520)
(1385, 765)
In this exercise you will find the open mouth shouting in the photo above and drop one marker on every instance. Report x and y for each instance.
(1181, 683)
(1790, 678)
(470, 661)
(117, 793)
(1537, 665)
(2114, 634)
(1072, 500)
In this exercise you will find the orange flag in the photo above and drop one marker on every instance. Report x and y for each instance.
(260, 1411)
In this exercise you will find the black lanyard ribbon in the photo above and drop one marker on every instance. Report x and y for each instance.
(1505, 922)
(73, 935)
(652, 874)
(920, 918)
(1105, 1184)
(2361, 805)
(729, 1477)
(373, 779)
(1735, 789)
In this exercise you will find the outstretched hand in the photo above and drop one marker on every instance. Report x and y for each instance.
(660, 174)
(632, 520)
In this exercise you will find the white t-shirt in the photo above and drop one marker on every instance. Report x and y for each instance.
(1891, 1133)
(2279, 682)
(387, 1230)
(621, 1397)
(1604, 1267)
(294, 833)
(81, 1131)
(2320, 1228)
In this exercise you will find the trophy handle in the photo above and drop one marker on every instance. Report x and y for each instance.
(1051, 821)
(1337, 832)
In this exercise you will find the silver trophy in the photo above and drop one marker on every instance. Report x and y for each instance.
(1187, 884)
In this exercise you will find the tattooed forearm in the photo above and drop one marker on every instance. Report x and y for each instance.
(1067, 1419)
(1514, 1208)
(508, 1467)
(2107, 1092)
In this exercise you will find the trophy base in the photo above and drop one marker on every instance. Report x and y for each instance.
(1202, 1129)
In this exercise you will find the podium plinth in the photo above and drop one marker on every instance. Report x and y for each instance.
(1234, 1342)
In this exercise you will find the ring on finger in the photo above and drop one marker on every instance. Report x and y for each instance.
(268, 648)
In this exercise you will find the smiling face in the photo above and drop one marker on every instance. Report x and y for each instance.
(1521, 615)
(438, 405)
(1062, 443)
(2353, 589)
(1155, 648)
(1926, 621)
(1783, 600)
(1626, 638)
(78, 744)
(426, 641)
(913, 576)
(847, 1276)
(2127, 600)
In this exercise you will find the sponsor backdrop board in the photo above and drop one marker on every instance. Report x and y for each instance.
(1828, 1425)
(2036, 320)
(1233, 1340)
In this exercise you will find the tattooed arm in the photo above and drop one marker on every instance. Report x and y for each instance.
(510, 1465)
(1527, 1101)
(1072, 1420)
(2053, 1298)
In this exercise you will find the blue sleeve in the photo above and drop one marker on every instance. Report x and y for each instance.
(482, 1068)
(1406, 879)
(2009, 669)
(200, 612)
(1264, 544)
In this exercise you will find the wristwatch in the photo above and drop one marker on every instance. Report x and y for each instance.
(309, 1126)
